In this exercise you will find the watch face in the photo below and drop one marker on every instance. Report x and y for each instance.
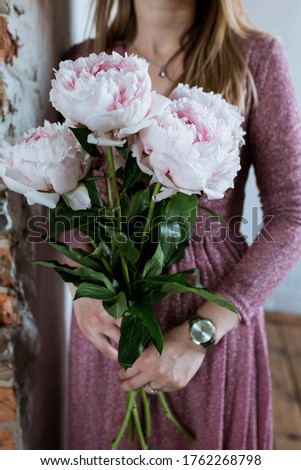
(202, 331)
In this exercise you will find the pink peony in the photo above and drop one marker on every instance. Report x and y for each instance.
(46, 162)
(193, 146)
(110, 94)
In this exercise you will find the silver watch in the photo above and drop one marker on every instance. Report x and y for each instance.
(202, 332)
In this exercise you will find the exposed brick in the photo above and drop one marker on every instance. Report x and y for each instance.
(6, 439)
(6, 355)
(8, 45)
(8, 316)
(6, 373)
(7, 405)
(6, 263)
(3, 103)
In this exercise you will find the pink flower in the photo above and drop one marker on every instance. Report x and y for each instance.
(110, 94)
(46, 162)
(193, 145)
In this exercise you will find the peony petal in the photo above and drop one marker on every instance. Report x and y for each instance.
(78, 198)
(164, 194)
(16, 175)
(45, 199)
(100, 138)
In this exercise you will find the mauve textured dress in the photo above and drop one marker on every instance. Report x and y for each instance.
(227, 404)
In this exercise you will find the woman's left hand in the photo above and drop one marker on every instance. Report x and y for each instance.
(179, 362)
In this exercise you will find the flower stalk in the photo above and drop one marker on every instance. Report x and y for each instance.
(131, 397)
(132, 417)
(150, 214)
(147, 414)
(110, 158)
(172, 419)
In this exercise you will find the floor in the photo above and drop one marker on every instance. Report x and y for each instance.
(284, 339)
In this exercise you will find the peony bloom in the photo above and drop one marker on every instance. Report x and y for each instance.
(193, 145)
(46, 162)
(109, 94)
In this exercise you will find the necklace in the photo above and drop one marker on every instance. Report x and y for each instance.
(162, 68)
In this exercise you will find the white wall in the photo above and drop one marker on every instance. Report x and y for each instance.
(281, 18)
(80, 24)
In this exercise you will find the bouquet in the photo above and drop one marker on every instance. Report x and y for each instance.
(126, 169)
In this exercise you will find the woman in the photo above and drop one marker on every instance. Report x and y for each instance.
(222, 396)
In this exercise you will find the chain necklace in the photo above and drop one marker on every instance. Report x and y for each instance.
(162, 68)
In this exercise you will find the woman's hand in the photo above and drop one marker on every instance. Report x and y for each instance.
(98, 326)
(169, 372)
(94, 322)
(180, 358)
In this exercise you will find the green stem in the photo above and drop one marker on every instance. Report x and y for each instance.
(93, 243)
(106, 265)
(118, 212)
(143, 444)
(150, 214)
(147, 414)
(102, 258)
(125, 272)
(130, 423)
(131, 402)
(115, 185)
(172, 419)
(109, 192)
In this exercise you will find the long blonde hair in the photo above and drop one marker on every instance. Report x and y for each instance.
(212, 58)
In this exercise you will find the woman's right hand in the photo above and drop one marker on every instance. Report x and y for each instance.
(98, 326)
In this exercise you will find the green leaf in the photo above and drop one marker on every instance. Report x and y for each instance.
(117, 307)
(170, 236)
(84, 274)
(123, 151)
(184, 208)
(125, 245)
(67, 220)
(143, 309)
(196, 273)
(92, 291)
(178, 285)
(154, 266)
(133, 338)
(91, 222)
(215, 215)
(167, 278)
(138, 204)
(93, 191)
(132, 172)
(100, 251)
(82, 133)
(174, 233)
(76, 254)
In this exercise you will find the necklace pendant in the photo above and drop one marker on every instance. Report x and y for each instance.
(162, 72)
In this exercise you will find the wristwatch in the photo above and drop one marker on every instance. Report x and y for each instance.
(202, 332)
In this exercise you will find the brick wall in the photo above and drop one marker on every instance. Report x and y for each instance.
(28, 51)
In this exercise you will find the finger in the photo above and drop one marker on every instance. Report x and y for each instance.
(102, 343)
(128, 373)
(136, 368)
(114, 333)
(118, 322)
(140, 380)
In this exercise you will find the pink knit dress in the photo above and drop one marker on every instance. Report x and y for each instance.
(227, 405)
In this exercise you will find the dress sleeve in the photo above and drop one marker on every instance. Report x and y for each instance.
(274, 140)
